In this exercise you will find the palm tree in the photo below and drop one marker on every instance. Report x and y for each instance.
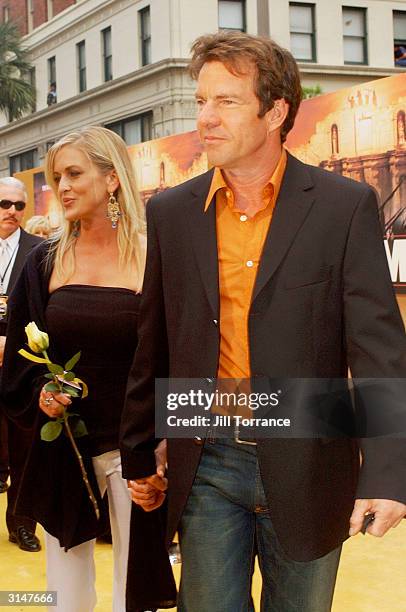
(17, 95)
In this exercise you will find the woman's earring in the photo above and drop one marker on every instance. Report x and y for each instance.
(76, 229)
(113, 210)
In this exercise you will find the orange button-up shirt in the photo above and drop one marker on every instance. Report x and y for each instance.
(240, 240)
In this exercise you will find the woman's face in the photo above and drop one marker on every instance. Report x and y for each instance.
(83, 190)
(42, 233)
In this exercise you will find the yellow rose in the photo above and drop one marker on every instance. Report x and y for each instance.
(38, 340)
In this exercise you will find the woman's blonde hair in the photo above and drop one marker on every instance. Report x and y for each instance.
(38, 224)
(107, 151)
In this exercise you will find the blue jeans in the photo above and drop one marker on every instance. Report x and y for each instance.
(225, 524)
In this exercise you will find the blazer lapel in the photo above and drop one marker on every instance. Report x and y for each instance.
(202, 227)
(27, 242)
(294, 203)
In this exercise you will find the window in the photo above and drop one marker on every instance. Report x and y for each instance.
(81, 59)
(401, 128)
(335, 148)
(399, 37)
(6, 14)
(23, 161)
(302, 32)
(145, 35)
(133, 129)
(107, 54)
(355, 35)
(231, 15)
(51, 96)
(50, 9)
(51, 70)
(31, 78)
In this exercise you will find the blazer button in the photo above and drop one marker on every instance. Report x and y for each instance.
(198, 441)
(215, 321)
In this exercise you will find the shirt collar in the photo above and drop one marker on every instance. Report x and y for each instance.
(218, 182)
(13, 239)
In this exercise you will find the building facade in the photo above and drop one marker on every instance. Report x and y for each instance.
(122, 63)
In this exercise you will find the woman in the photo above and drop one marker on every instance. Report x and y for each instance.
(39, 226)
(82, 288)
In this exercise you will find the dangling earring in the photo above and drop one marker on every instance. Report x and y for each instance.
(113, 210)
(76, 229)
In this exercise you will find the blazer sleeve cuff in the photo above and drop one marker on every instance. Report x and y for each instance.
(137, 464)
(383, 469)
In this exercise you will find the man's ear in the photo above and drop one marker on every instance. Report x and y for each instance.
(276, 116)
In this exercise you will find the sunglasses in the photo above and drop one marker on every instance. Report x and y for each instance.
(6, 204)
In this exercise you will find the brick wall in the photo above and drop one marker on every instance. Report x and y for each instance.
(60, 5)
(17, 13)
(40, 13)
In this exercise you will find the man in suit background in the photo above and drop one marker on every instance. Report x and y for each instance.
(15, 244)
(256, 270)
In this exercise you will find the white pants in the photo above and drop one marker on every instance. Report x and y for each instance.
(72, 573)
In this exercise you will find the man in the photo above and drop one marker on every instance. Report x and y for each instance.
(51, 97)
(15, 244)
(400, 55)
(260, 269)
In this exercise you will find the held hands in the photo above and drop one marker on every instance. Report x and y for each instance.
(53, 404)
(388, 513)
(149, 492)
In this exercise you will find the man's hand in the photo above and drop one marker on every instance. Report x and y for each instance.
(2, 345)
(388, 513)
(149, 492)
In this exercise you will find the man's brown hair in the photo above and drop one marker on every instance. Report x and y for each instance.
(277, 74)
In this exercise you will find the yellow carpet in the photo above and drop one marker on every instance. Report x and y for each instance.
(372, 575)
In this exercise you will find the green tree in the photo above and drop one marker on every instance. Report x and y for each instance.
(17, 95)
(311, 92)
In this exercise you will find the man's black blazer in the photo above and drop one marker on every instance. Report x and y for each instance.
(27, 242)
(322, 302)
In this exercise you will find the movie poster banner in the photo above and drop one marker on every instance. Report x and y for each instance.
(359, 132)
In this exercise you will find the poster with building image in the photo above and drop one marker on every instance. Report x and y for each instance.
(361, 133)
(358, 132)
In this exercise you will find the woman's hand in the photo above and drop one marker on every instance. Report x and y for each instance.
(149, 493)
(53, 404)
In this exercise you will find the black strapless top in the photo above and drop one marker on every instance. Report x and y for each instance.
(101, 322)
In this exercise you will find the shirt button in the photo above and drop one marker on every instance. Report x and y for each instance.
(243, 218)
(215, 321)
(249, 263)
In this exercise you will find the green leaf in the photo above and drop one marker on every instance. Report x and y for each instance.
(51, 376)
(16, 94)
(31, 357)
(69, 365)
(52, 387)
(71, 414)
(50, 431)
(69, 376)
(55, 368)
(70, 391)
(79, 430)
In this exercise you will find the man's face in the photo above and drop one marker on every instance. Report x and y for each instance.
(10, 218)
(233, 135)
